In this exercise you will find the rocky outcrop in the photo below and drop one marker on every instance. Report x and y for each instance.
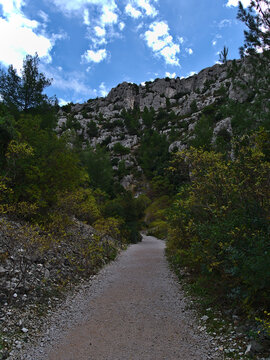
(118, 117)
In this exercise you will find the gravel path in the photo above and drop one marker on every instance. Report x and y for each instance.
(134, 309)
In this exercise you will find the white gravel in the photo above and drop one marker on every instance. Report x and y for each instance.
(133, 309)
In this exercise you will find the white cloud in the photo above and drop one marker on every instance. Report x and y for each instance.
(109, 15)
(131, 11)
(180, 39)
(100, 32)
(69, 6)
(170, 75)
(94, 56)
(140, 26)
(43, 16)
(22, 36)
(62, 102)
(86, 19)
(245, 3)
(121, 26)
(161, 42)
(215, 40)
(149, 9)
(189, 51)
(224, 23)
(135, 8)
(103, 91)
(73, 81)
(191, 73)
(108, 9)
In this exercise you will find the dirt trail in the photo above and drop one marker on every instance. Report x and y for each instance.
(138, 312)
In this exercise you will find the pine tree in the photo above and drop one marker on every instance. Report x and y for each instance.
(26, 91)
(257, 20)
(223, 56)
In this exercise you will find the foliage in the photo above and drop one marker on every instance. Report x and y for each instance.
(80, 203)
(24, 92)
(155, 216)
(148, 117)
(265, 323)
(153, 153)
(193, 106)
(119, 149)
(92, 129)
(203, 132)
(256, 50)
(223, 56)
(130, 210)
(7, 133)
(257, 20)
(219, 223)
(131, 120)
(99, 168)
(39, 165)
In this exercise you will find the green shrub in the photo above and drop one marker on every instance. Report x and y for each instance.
(119, 149)
(219, 224)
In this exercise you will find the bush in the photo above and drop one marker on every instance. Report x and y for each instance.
(119, 149)
(219, 224)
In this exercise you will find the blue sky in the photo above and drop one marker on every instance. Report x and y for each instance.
(90, 46)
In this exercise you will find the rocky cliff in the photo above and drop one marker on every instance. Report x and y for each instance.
(173, 107)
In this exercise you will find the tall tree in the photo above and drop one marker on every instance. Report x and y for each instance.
(256, 51)
(33, 83)
(223, 56)
(26, 91)
(10, 85)
(257, 19)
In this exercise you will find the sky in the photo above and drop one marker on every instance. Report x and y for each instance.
(89, 46)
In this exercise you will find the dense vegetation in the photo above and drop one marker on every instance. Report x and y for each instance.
(218, 224)
(49, 182)
(211, 201)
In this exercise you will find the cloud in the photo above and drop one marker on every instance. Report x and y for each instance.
(191, 73)
(161, 42)
(149, 9)
(62, 102)
(69, 6)
(131, 11)
(245, 3)
(100, 32)
(224, 23)
(94, 56)
(86, 19)
(108, 9)
(215, 40)
(170, 75)
(181, 39)
(189, 51)
(109, 16)
(103, 90)
(121, 26)
(23, 36)
(136, 8)
(67, 81)
(43, 16)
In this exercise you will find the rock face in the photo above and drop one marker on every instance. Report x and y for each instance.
(181, 103)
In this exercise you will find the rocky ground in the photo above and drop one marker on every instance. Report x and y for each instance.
(135, 309)
(36, 272)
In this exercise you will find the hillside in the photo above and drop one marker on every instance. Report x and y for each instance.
(206, 109)
(184, 159)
